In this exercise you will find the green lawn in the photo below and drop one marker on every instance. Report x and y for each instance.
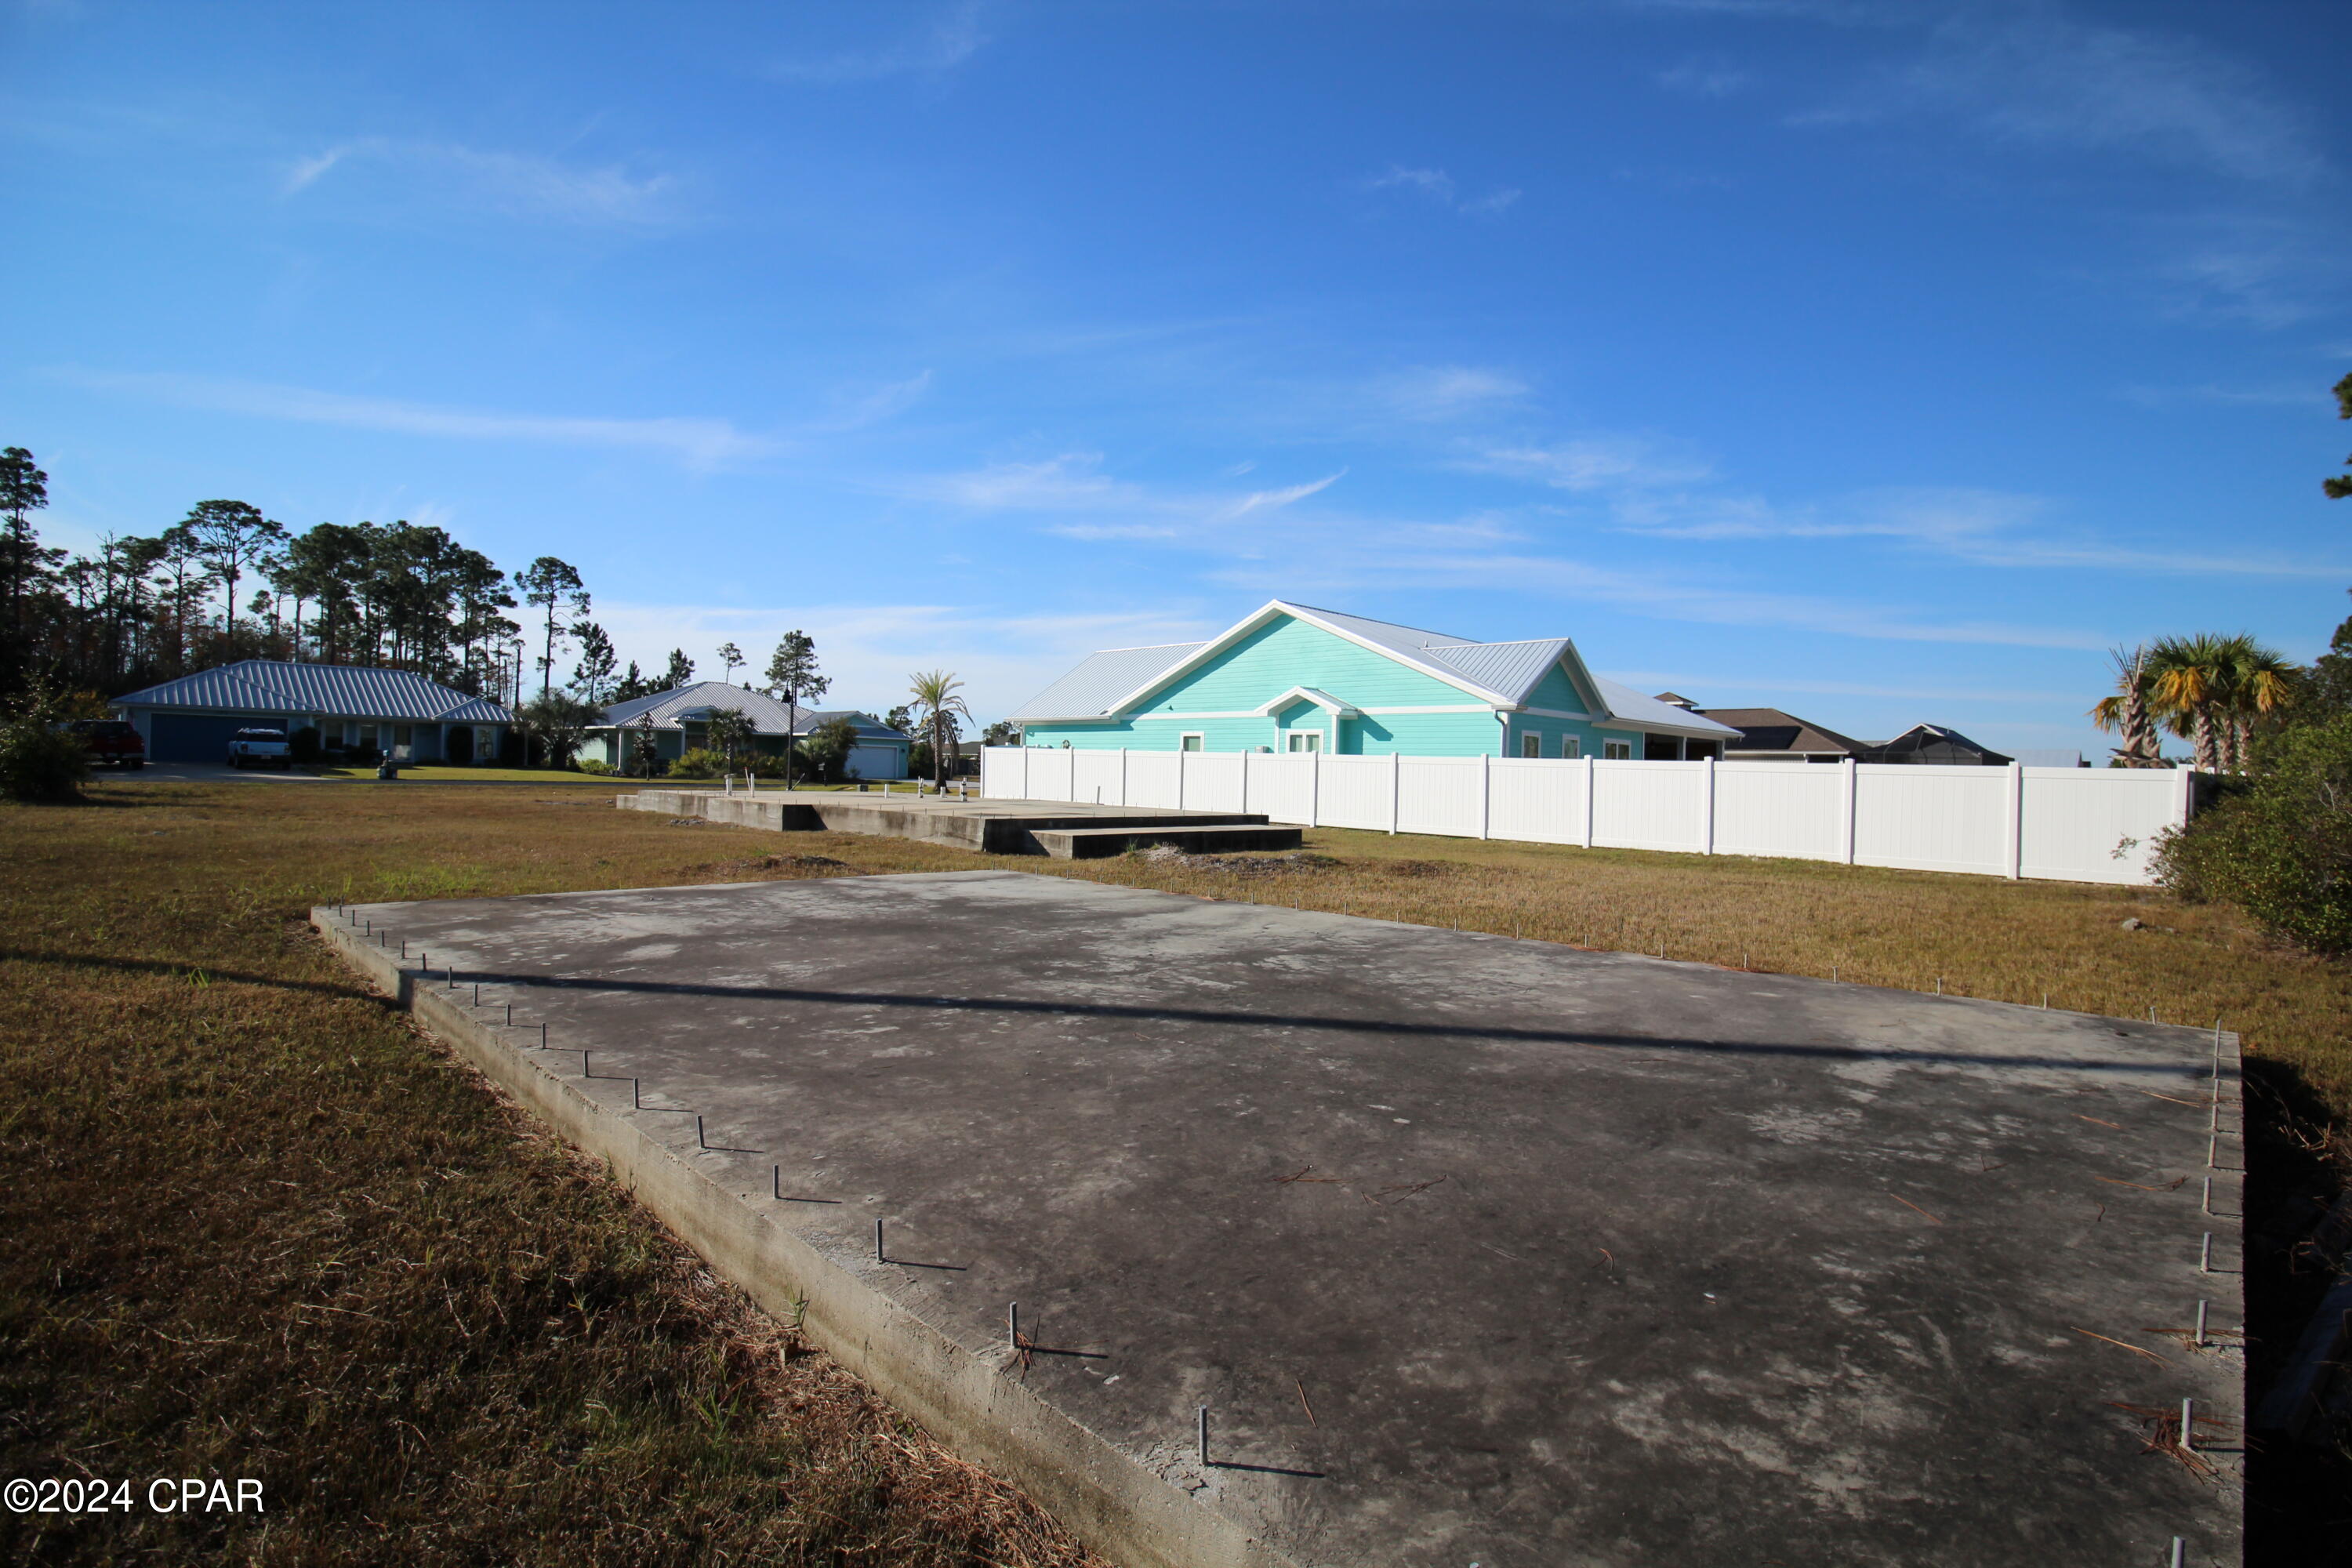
(428, 774)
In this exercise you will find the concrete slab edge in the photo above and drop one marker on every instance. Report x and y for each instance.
(970, 1399)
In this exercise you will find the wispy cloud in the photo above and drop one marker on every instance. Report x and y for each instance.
(1589, 463)
(2267, 397)
(2033, 77)
(1448, 392)
(949, 39)
(517, 183)
(1436, 187)
(1703, 76)
(700, 443)
(1114, 509)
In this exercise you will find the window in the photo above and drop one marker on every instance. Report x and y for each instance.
(1617, 751)
(1531, 745)
(1191, 742)
(1662, 747)
(1305, 740)
(1570, 747)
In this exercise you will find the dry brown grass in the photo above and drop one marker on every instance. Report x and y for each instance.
(258, 1225)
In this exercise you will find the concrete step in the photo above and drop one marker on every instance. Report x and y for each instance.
(1093, 842)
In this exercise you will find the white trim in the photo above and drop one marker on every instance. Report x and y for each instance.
(1555, 713)
(1310, 694)
(1234, 634)
(1190, 735)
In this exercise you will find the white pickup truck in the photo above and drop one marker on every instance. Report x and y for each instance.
(260, 749)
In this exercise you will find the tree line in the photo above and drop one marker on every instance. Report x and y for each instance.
(144, 609)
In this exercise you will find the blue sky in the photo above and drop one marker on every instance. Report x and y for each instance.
(1884, 362)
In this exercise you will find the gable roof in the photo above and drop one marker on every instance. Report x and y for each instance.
(1117, 680)
(338, 690)
(1770, 730)
(682, 705)
(1101, 679)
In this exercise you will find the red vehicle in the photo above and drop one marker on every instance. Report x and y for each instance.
(111, 743)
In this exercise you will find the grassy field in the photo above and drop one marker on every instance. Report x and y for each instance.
(258, 1226)
(429, 774)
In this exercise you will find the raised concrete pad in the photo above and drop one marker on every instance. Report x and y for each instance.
(1577, 1258)
(1093, 842)
(996, 826)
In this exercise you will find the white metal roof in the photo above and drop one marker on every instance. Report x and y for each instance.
(1511, 669)
(1101, 679)
(1630, 705)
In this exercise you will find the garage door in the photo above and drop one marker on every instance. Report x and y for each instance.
(875, 763)
(202, 737)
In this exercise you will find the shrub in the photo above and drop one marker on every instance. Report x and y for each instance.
(595, 766)
(2280, 846)
(698, 764)
(40, 761)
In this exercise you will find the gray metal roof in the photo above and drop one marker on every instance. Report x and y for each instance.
(691, 704)
(328, 690)
(1088, 691)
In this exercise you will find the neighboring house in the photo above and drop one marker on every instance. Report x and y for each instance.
(2049, 759)
(1768, 735)
(1290, 678)
(680, 717)
(1932, 743)
(191, 720)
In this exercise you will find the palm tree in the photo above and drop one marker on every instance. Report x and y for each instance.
(2214, 688)
(2186, 677)
(937, 708)
(2260, 683)
(2127, 713)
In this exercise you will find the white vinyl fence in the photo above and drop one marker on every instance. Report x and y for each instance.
(2068, 825)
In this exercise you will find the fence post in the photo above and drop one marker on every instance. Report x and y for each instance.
(1180, 754)
(1025, 769)
(1707, 806)
(1122, 776)
(1846, 808)
(2187, 794)
(1592, 775)
(1396, 791)
(1486, 792)
(1314, 786)
(1246, 754)
(2014, 853)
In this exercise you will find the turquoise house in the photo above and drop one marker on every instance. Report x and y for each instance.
(1291, 677)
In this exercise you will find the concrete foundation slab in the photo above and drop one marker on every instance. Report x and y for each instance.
(996, 826)
(1474, 1250)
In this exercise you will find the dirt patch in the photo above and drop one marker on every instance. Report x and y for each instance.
(779, 863)
(1298, 862)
